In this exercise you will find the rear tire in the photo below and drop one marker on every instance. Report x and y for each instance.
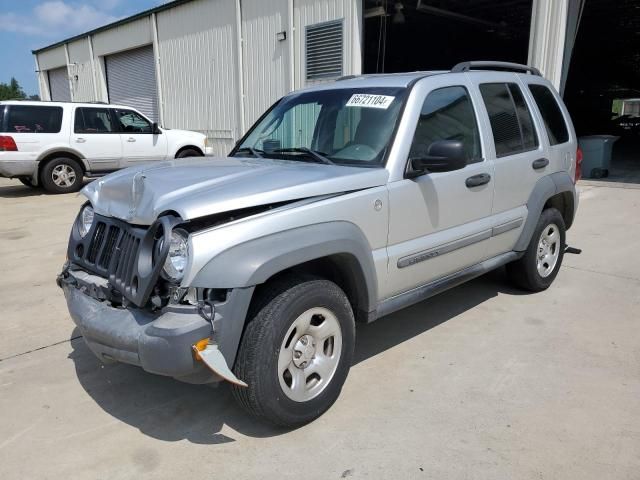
(189, 152)
(62, 175)
(538, 267)
(296, 351)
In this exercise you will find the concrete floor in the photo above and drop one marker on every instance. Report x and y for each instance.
(482, 382)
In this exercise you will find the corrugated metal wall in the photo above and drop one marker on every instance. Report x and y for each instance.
(81, 71)
(131, 80)
(310, 12)
(59, 85)
(198, 52)
(267, 60)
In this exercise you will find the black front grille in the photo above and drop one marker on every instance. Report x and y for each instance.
(111, 250)
(123, 254)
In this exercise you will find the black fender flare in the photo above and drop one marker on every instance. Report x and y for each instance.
(544, 189)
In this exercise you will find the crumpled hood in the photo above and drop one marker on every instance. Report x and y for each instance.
(197, 187)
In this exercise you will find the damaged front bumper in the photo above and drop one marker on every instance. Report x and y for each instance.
(161, 343)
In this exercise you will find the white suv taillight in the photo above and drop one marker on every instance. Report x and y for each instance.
(578, 175)
(7, 144)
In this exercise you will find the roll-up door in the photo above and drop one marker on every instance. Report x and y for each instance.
(131, 80)
(59, 85)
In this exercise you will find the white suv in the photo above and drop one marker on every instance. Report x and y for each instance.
(56, 144)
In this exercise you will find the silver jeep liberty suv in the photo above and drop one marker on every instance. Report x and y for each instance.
(345, 202)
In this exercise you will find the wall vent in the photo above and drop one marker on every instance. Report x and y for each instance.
(324, 50)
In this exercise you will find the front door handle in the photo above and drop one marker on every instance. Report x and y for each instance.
(477, 180)
(80, 140)
(540, 163)
(131, 139)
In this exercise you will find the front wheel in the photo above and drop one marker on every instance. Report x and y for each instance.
(538, 267)
(189, 152)
(296, 351)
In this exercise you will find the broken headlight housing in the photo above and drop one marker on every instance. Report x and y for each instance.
(177, 257)
(85, 220)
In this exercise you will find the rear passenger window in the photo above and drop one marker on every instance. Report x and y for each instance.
(551, 114)
(447, 114)
(93, 120)
(32, 119)
(511, 122)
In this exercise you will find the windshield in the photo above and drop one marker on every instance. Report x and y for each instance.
(351, 126)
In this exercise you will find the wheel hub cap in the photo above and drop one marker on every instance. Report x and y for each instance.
(63, 175)
(548, 250)
(309, 355)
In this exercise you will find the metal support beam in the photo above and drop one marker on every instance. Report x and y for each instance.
(156, 58)
(94, 80)
(68, 64)
(547, 38)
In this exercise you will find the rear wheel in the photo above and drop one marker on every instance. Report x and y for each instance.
(189, 152)
(62, 175)
(296, 351)
(540, 264)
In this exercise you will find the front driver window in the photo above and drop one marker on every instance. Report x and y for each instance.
(447, 114)
(131, 122)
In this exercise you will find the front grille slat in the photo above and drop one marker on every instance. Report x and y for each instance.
(110, 245)
(96, 243)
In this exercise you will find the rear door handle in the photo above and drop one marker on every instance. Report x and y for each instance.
(540, 163)
(80, 140)
(477, 180)
(131, 139)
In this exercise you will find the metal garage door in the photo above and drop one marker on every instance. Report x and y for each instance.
(131, 80)
(59, 85)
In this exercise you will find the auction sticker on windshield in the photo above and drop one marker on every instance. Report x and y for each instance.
(370, 101)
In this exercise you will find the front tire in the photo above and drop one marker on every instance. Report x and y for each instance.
(189, 152)
(62, 175)
(539, 266)
(296, 351)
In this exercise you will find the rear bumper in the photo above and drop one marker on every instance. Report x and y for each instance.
(17, 168)
(159, 343)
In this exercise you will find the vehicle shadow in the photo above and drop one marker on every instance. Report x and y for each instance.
(169, 410)
(18, 190)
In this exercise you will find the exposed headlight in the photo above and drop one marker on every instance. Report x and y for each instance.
(85, 221)
(178, 255)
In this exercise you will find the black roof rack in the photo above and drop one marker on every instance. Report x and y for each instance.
(517, 67)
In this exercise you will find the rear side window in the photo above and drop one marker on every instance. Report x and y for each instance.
(447, 114)
(551, 114)
(511, 122)
(32, 119)
(94, 120)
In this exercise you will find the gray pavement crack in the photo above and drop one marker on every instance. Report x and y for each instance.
(622, 277)
(40, 348)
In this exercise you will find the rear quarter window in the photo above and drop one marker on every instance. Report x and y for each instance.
(551, 114)
(32, 119)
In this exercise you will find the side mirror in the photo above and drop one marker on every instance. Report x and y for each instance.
(442, 156)
(155, 129)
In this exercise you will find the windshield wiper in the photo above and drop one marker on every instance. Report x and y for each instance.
(253, 151)
(312, 153)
